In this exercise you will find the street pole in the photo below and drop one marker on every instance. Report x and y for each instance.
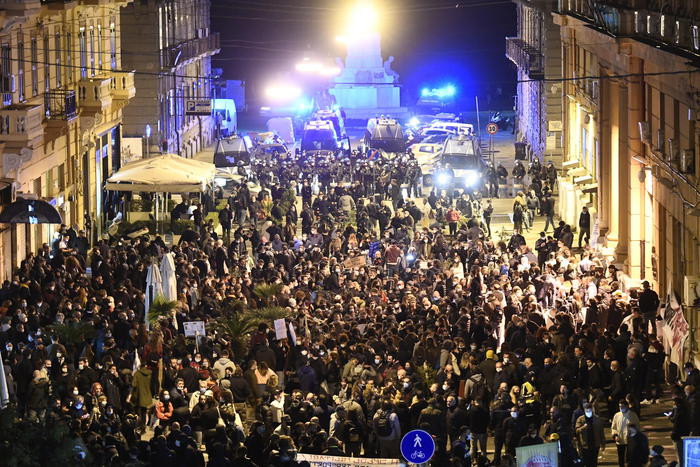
(478, 118)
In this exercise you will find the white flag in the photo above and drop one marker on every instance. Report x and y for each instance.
(4, 392)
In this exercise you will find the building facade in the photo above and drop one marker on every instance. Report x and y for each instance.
(175, 57)
(63, 92)
(536, 52)
(631, 104)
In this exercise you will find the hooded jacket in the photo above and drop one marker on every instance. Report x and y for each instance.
(142, 396)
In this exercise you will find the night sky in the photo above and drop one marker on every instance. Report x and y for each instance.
(433, 43)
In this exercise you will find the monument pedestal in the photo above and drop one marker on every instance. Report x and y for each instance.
(366, 86)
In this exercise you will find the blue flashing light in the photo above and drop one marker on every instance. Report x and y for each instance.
(304, 106)
(441, 93)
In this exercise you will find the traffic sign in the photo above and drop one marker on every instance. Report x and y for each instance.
(491, 128)
(417, 446)
(197, 106)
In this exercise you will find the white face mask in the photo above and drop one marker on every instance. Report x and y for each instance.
(589, 413)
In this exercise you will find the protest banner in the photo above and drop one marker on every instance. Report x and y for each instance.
(194, 328)
(673, 328)
(355, 262)
(318, 460)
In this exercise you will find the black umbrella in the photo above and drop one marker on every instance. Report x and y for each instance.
(30, 211)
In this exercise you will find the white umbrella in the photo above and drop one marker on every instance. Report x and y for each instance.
(154, 287)
(167, 272)
(4, 392)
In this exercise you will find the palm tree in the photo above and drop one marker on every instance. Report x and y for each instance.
(237, 323)
(73, 333)
(161, 306)
(267, 293)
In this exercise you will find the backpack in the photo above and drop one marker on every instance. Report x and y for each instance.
(382, 424)
(479, 391)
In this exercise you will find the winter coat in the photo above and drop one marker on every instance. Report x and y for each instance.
(308, 381)
(38, 396)
(142, 395)
(221, 364)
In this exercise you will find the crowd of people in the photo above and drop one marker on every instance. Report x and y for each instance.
(406, 315)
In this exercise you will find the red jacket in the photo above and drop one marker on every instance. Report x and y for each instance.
(452, 215)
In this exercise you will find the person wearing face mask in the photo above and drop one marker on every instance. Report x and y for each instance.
(500, 377)
(590, 436)
(164, 409)
(195, 397)
(86, 376)
(620, 429)
(514, 428)
(64, 382)
(532, 437)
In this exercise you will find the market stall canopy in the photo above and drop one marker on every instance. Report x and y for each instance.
(167, 173)
(30, 211)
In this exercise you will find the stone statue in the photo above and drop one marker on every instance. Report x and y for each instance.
(389, 71)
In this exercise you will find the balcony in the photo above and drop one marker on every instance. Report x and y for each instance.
(21, 123)
(57, 5)
(60, 104)
(95, 93)
(527, 58)
(22, 8)
(190, 50)
(122, 85)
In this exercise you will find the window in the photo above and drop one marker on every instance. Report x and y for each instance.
(113, 45)
(69, 58)
(91, 47)
(696, 37)
(47, 64)
(20, 66)
(6, 83)
(161, 28)
(584, 147)
(58, 59)
(83, 52)
(99, 47)
(663, 25)
(35, 63)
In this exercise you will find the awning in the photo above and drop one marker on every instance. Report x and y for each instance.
(30, 211)
(167, 173)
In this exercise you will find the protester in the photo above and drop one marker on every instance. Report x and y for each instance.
(397, 317)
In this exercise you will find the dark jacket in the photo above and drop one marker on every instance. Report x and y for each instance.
(598, 433)
(680, 417)
(637, 450)
(584, 220)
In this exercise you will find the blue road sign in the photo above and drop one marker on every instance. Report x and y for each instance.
(417, 446)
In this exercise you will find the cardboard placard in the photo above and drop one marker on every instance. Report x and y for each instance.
(280, 329)
(194, 328)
